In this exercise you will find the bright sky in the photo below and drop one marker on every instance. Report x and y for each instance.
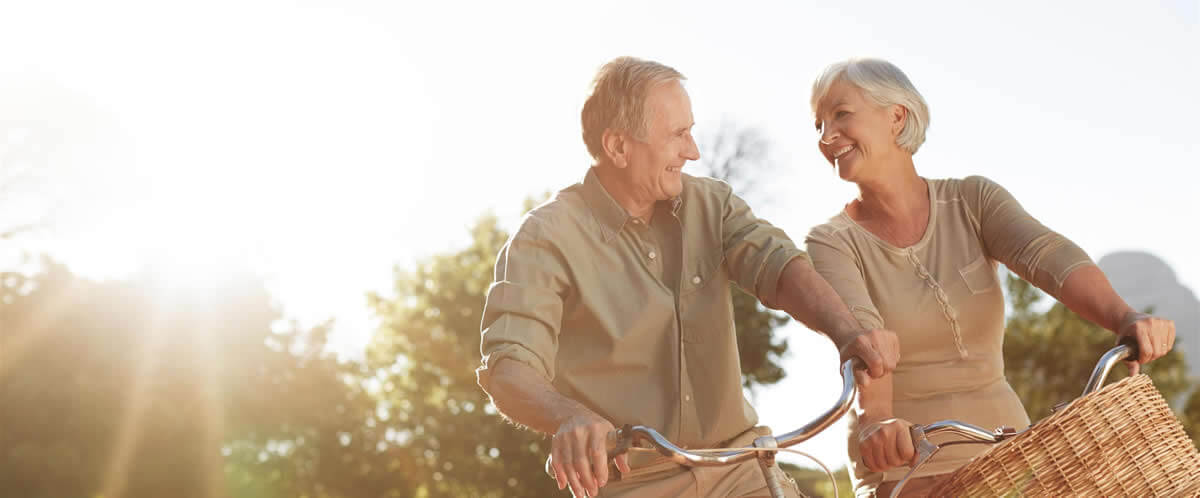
(323, 142)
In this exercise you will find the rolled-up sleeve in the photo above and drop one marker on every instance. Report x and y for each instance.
(523, 312)
(1013, 237)
(756, 252)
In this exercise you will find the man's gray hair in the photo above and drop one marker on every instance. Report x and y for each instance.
(618, 99)
(884, 83)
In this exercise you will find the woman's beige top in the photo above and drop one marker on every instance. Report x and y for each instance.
(943, 298)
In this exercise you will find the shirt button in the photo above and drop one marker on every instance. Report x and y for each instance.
(652, 255)
(687, 397)
(696, 279)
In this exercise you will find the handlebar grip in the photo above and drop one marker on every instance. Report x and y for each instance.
(1130, 342)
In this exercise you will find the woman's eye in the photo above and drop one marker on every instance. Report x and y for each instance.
(841, 114)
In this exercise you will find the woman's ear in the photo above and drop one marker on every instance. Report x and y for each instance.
(614, 147)
(899, 115)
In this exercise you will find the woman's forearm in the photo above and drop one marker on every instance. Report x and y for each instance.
(1088, 292)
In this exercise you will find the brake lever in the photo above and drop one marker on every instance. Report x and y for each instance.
(924, 451)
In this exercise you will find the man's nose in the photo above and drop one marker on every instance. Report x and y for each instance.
(692, 152)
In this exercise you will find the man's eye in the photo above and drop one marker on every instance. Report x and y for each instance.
(840, 114)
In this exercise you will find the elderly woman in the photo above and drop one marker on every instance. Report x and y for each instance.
(919, 256)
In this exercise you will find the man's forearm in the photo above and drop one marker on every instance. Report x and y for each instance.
(525, 398)
(807, 297)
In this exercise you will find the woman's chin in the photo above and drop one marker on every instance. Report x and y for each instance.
(845, 171)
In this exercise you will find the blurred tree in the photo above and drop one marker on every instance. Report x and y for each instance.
(1049, 355)
(424, 355)
(141, 389)
(1190, 417)
(738, 155)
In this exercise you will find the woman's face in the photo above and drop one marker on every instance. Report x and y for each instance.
(856, 134)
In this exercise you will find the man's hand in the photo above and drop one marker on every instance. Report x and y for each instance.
(886, 444)
(879, 349)
(578, 455)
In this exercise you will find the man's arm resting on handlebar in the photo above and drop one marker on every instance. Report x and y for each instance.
(526, 398)
(579, 456)
(806, 296)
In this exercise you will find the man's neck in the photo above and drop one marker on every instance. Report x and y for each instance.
(622, 192)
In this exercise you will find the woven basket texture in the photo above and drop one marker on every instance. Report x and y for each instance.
(1122, 440)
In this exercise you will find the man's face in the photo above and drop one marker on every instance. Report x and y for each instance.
(654, 163)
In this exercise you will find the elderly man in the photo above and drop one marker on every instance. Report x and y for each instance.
(611, 303)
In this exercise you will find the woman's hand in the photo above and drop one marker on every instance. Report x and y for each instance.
(886, 444)
(1155, 337)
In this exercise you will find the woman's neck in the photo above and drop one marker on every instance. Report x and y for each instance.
(899, 196)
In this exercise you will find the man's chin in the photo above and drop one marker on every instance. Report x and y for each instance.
(673, 191)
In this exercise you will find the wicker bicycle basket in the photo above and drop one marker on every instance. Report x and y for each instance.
(1122, 440)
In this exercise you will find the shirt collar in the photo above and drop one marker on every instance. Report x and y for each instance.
(611, 216)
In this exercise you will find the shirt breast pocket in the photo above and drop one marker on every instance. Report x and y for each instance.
(979, 275)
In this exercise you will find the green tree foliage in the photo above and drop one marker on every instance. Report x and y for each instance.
(759, 349)
(423, 358)
(138, 389)
(1190, 417)
(1049, 355)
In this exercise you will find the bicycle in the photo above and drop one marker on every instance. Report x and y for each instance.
(764, 449)
(1098, 454)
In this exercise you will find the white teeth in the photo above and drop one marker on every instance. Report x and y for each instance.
(843, 150)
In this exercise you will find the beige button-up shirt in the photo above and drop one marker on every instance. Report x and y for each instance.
(633, 321)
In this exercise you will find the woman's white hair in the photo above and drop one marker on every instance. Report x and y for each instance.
(884, 83)
(618, 99)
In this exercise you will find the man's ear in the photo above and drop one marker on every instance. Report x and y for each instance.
(614, 147)
(899, 116)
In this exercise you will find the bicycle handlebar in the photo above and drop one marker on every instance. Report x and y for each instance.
(626, 437)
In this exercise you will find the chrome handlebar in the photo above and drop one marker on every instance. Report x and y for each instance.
(638, 436)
